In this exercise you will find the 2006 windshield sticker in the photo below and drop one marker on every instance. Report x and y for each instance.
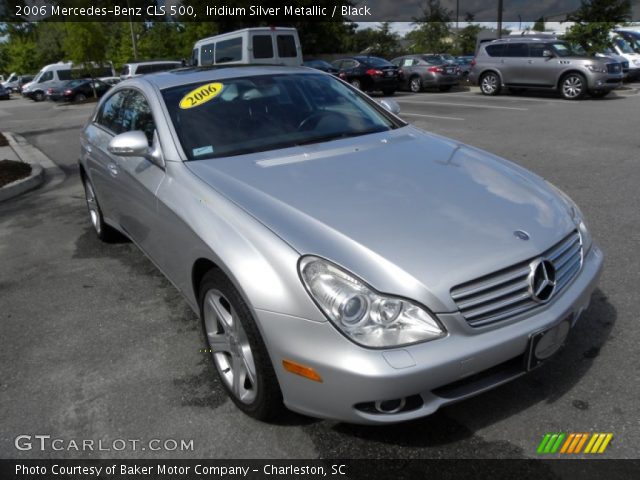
(200, 95)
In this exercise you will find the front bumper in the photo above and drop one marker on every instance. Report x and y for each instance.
(604, 81)
(465, 363)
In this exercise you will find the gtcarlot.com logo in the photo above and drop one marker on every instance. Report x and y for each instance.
(574, 443)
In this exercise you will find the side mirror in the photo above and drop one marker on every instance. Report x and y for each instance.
(390, 105)
(130, 144)
(547, 53)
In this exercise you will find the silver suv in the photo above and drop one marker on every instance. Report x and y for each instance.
(522, 63)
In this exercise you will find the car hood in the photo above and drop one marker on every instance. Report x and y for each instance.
(398, 208)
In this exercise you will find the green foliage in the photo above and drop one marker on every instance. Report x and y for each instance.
(467, 38)
(380, 41)
(539, 25)
(433, 34)
(594, 20)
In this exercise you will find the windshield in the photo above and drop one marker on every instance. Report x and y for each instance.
(563, 49)
(267, 112)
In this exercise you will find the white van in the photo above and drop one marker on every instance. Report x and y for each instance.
(135, 69)
(623, 48)
(55, 73)
(262, 45)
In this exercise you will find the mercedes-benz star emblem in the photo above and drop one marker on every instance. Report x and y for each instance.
(542, 280)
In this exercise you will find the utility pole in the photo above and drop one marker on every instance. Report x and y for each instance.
(134, 43)
(499, 18)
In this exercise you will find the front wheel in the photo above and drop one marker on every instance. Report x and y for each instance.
(356, 84)
(573, 86)
(415, 84)
(490, 84)
(237, 349)
(39, 96)
(80, 97)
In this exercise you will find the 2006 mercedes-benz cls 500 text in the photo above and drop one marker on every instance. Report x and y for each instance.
(344, 264)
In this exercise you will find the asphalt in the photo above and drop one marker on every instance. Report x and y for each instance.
(96, 344)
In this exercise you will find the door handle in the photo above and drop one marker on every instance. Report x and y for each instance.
(113, 169)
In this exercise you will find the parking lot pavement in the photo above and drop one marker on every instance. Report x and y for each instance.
(97, 344)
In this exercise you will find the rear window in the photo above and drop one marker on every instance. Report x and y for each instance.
(286, 46)
(229, 50)
(494, 50)
(262, 46)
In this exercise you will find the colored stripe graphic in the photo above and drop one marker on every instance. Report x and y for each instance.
(573, 443)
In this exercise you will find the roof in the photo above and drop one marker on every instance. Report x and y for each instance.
(185, 76)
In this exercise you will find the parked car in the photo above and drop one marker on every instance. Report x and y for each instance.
(321, 65)
(13, 77)
(418, 73)
(369, 73)
(539, 63)
(51, 75)
(130, 70)
(626, 49)
(4, 93)
(18, 84)
(77, 90)
(343, 263)
(464, 63)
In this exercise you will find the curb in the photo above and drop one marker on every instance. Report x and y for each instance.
(40, 164)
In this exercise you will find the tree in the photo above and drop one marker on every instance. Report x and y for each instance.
(85, 44)
(433, 33)
(539, 25)
(380, 41)
(594, 20)
(467, 37)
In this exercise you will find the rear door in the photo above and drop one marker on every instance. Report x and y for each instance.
(515, 64)
(288, 49)
(262, 49)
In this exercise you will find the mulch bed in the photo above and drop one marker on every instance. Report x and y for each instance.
(10, 171)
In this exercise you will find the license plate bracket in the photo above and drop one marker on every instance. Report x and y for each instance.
(545, 343)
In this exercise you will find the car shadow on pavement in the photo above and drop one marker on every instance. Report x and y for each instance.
(549, 384)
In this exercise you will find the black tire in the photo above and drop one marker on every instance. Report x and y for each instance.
(389, 91)
(599, 93)
(356, 83)
(573, 86)
(103, 231)
(38, 96)
(490, 84)
(267, 403)
(445, 88)
(415, 84)
(80, 97)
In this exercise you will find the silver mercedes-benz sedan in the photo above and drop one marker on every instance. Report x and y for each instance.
(344, 264)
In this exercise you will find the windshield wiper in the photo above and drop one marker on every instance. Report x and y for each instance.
(337, 136)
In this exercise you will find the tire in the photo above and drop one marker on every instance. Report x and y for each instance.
(103, 231)
(38, 96)
(415, 84)
(445, 88)
(599, 93)
(356, 83)
(389, 91)
(80, 97)
(238, 352)
(490, 84)
(573, 86)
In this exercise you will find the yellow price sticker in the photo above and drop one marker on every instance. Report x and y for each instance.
(200, 95)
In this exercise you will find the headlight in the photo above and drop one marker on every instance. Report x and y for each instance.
(597, 68)
(365, 316)
(576, 216)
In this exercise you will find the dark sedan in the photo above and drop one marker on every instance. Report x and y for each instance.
(77, 90)
(4, 93)
(369, 73)
(321, 65)
(422, 71)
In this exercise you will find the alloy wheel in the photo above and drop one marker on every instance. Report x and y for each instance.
(489, 84)
(415, 85)
(92, 205)
(572, 87)
(230, 347)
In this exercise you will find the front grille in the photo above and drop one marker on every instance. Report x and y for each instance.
(614, 68)
(505, 293)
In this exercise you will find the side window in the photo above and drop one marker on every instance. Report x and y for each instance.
(229, 50)
(286, 46)
(262, 46)
(537, 49)
(110, 113)
(407, 62)
(64, 74)
(495, 50)
(46, 76)
(206, 55)
(347, 64)
(137, 115)
(517, 50)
